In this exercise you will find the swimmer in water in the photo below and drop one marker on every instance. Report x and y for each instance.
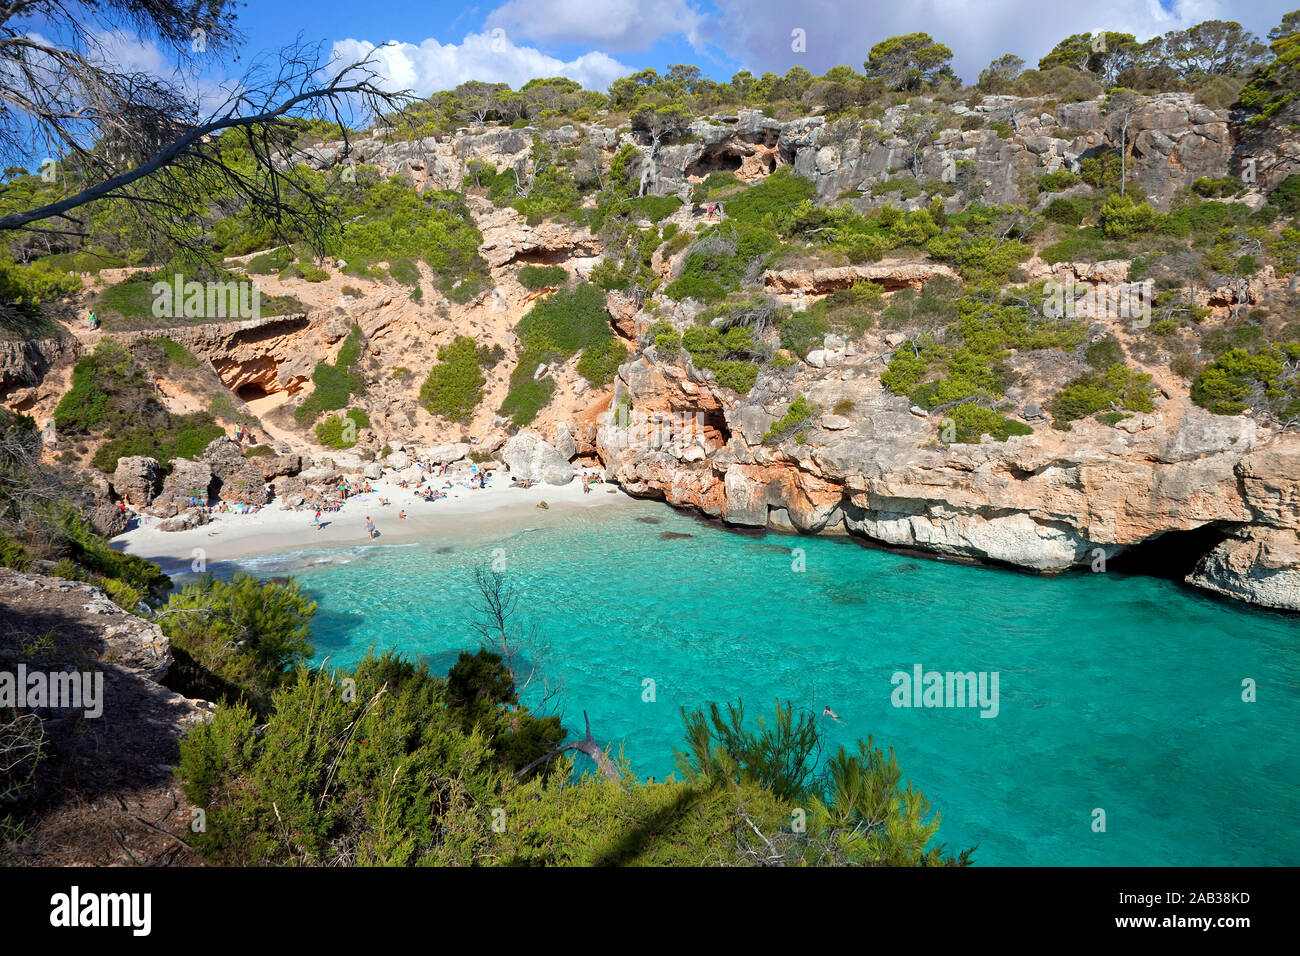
(827, 712)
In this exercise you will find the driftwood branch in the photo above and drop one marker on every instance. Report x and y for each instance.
(587, 746)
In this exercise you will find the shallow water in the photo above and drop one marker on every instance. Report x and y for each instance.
(1116, 692)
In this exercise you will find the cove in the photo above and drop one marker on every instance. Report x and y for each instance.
(1116, 692)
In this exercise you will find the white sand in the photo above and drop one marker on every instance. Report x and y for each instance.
(464, 514)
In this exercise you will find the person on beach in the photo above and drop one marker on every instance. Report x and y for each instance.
(370, 528)
(317, 519)
(402, 513)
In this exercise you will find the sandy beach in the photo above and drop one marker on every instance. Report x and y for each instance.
(464, 514)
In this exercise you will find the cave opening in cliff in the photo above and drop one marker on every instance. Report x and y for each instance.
(715, 163)
(1171, 555)
(543, 257)
(251, 392)
(714, 426)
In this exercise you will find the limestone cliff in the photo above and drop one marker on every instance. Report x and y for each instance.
(1045, 502)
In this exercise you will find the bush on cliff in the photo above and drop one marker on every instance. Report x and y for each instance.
(340, 431)
(1098, 391)
(542, 277)
(728, 355)
(454, 385)
(335, 382)
(112, 395)
(528, 395)
(1239, 379)
(799, 414)
(179, 436)
(555, 329)
(968, 423)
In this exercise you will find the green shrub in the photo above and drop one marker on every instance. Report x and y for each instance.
(1238, 380)
(981, 258)
(27, 286)
(718, 259)
(969, 363)
(526, 397)
(335, 383)
(249, 636)
(654, 208)
(556, 328)
(454, 385)
(566, 322)
(268, 262)
(177, 354)
(1105, 353)
(1059, 181)
(970, 422)
(14, 555)
(1099, 391)
(803, 331)
(1102, 171)
(340, 431)
(665, 338)
(800, 412)
(775, 196)
(388, 220)
(1218, 188)
(405, 271)
(1286, 197)
(1083, 245)
(1068, 212)
(599, 362)
(729, 355)
(307, 271)
(100, 383)
(179, 436)
(1122, 217)
(541, 277)
(713, 185)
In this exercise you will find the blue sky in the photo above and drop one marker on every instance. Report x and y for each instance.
(439, 44)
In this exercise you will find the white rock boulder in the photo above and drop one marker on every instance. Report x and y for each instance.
(528, 456)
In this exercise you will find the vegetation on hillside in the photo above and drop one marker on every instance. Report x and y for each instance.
(564, 324)
(113, 397)
(455, 383)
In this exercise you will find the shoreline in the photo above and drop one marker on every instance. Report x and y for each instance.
(466, 513)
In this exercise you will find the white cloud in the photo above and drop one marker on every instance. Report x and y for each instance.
(130, 54)
(758, 32)
(608, 24)
(432, 66)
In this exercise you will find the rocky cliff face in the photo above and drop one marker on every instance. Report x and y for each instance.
(1043, 502)
(104, 793)
(24, 363)
(1172, 140)
(987, 145)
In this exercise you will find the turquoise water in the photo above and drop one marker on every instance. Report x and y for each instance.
(1115, 692)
